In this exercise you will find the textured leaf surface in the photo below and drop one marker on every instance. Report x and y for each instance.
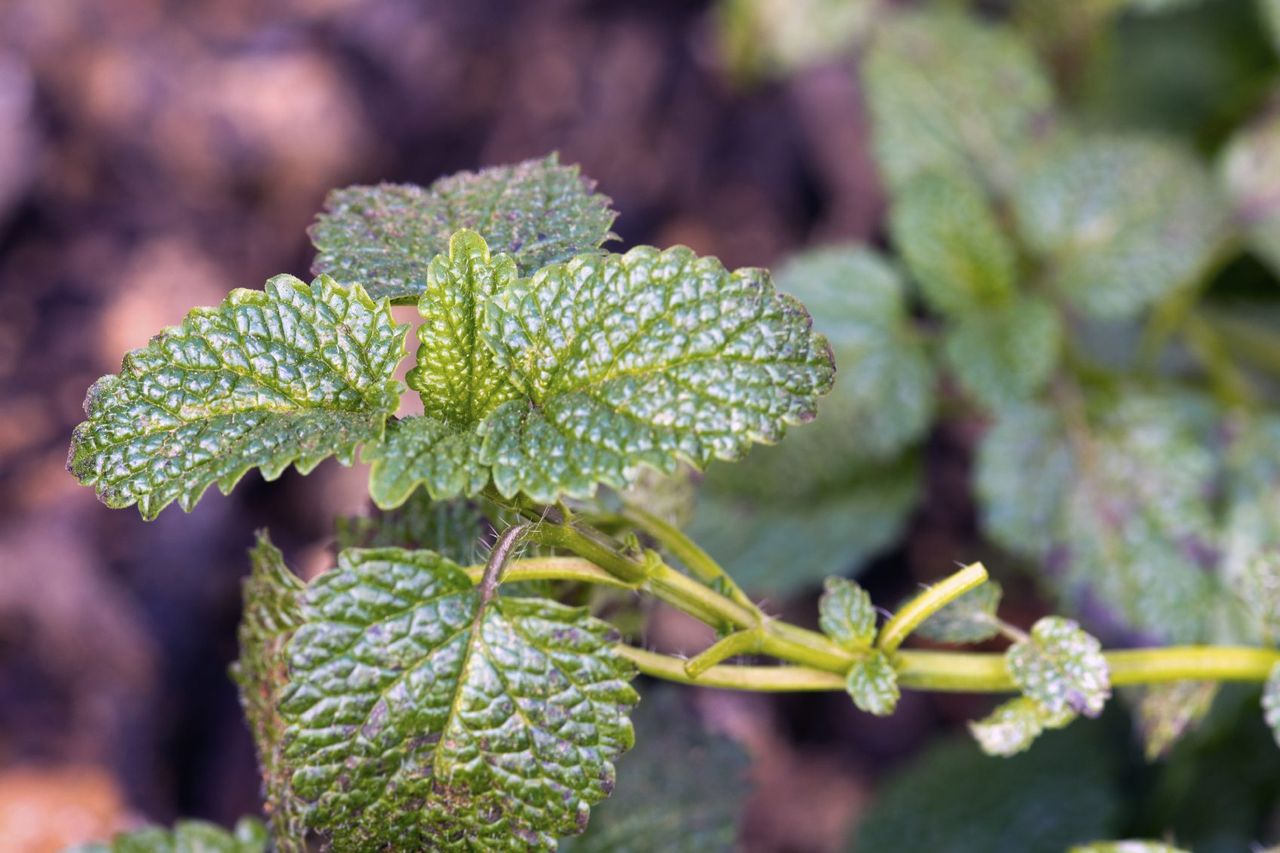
(1167, 711)
(947, 93)
(1250, 563)
(1271, 702)
(954, 799)
(1250, 171)
(1118, 508)
(682, 788)
(422, 717)
(846, 614)
(971, 618)
(272, 612)
(952, 244)
(187, 836)
(1061, 667)
(289, 374)
(755, 534)
(1005, 355)
(872, 683)
(1014, 725)
(1121, 221)
(385, 236)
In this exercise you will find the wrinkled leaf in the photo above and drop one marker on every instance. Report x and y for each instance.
(1014, 725)
(948, 93)
(289, 374)
(187, 836)
(1167, 711)
(385, 236)
(1005, 355)
(846, 614)
(1061, 667)
(1121, 221)
(952, 244)
(272, 612)
(971, 618)
(953, 799)
(421, 716)
(872, 683)
(682, 788)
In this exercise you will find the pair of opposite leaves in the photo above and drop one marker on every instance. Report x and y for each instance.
(547, 385)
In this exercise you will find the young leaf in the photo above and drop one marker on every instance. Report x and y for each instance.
(947, 93)
(1122, 221)
(954, 799)
(971, 618)
(187, 836)
(682, 787)
(1167, 711)
(1013, 726)
(872, 683)
(422, 716)
(289, 374)
(1061, 667)
(846, 614)
(1271, 702)
(385, 236)
(952, 244)
(272, 612)
(1005, 355)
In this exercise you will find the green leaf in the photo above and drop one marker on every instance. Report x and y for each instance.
(1121, 221)
(948, 93)
(187, 836)
(289, 374)
(846, 614)
(682, 787)
(1117, 505)
(971, 618)
(1014, 725)
(1251, 527)
(872, 683)
(953, 799)
(1167, 711)
(424, 717)
(1271, 702)
(1061, 667)
(272, 612)
(1127, 846)
(952, 244)
(1005, 355)
(755, 533)
(386, 236)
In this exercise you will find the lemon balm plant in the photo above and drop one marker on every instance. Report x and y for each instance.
(412, 698)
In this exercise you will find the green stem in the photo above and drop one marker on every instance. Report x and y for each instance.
(737, 643)
(927, 603)
(553, 569)
(773, 679)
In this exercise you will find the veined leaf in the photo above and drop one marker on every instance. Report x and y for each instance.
(272, 612)
(422, 716)
(385, 236)
(289, 374)
(682, 788)
(952, 244)
(1121, 221)
(1061, 667)
(971, 618)
(846, 614)
(1005, 355)
(187, 836)
(950, 94)
(1167, 711)
(1014, 725)
(872, 683)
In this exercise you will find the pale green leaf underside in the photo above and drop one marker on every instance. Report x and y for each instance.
(187, 836)
(1061, 667)
(872, 683)
(846, 614)
(385, 236)
(288, 374)
(272, 612)
(420, 718)
(1014, 725)
(599, 366)
(971, 618)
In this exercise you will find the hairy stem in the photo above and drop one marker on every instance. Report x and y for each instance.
(927, 603)
(737, 643)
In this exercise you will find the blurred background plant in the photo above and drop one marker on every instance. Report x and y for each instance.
(1043, 238)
